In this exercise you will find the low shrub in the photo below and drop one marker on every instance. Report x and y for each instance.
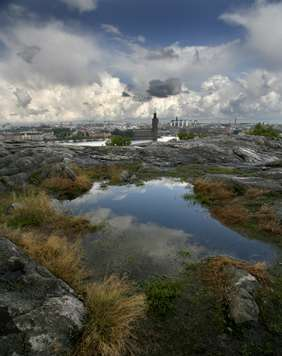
(261, 129)
(161, 294)
(184, 135)
(119, 141)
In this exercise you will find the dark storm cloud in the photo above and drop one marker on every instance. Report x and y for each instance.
(163, 53)
(163, 89)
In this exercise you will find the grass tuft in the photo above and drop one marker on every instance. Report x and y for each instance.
(35, 210)
(113, 306)
(66, 188)
(58, 255)
(210, 191)
(268, 221)
(114, 310)
(213, 273)
(233, 214)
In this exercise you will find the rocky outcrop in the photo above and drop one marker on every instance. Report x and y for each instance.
(275, 186)
(20, 162)
(242, 304)
(40, 315)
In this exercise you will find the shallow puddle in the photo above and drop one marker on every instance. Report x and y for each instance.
(151, 230)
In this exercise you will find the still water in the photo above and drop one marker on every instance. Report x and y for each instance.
(101, 143)
(151, 229)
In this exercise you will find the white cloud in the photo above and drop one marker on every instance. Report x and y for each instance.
(51, 72)
(111, 29)
(81, 5)
(264, 30)
(49, 53)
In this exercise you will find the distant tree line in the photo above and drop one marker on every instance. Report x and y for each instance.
(123, 133)
(64, 133)
(117, 140)
(261, 129)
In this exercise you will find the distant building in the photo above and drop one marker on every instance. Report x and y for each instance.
(148, 133)
(155, 127)
(27, 136)
(184, 123)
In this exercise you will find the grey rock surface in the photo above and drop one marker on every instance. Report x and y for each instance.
(19, 161)
(40, 315)
(242, 304)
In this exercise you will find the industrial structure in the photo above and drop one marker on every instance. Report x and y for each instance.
(183, 123)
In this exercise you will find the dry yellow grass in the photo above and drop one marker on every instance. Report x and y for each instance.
(107, 172)
(213, 273)
(35, 210)
(233, 214)
(58, 255)
(114, 310)
(253, 193)
(210, 191)
(268, 221)
(66, 187)
(113, 306)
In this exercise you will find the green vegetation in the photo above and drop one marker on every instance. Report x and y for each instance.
(186, 314)
(213, 274)
(34, 210)
(184, 135)
(66, 188)
(114, 307)
(112, 173)
(161, 294)
(63, 133)
(261, 129)
(270, 303)
(123, 133)
(247, 210)
(119, 141)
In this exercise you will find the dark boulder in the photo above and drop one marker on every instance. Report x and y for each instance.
(39, 313)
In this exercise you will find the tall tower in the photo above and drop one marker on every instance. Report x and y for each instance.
(155, 127)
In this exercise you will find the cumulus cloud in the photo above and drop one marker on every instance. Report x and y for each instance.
(52, 72)
(264, 30)
(49, 53)
(163, 89)
(81, 5)
(24, 99)
(111, 29)
(28, 53)
(163, 53)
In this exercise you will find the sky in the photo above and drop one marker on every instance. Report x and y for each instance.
(115, 60)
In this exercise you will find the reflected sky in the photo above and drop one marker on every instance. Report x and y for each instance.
(147, 229)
